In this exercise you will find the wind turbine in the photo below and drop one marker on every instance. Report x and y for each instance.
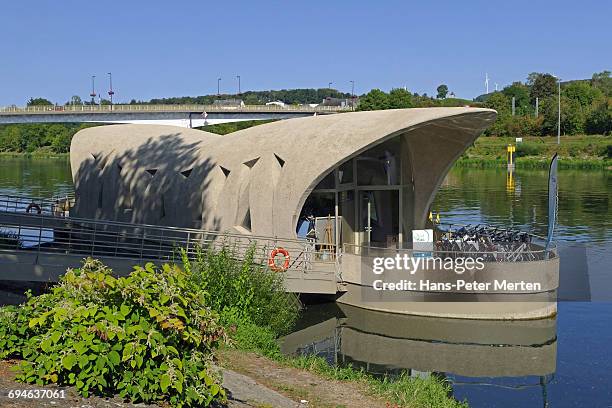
(487, 82)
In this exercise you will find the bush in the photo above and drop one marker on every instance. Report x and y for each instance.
(243, 290)
(529, 149)
(148, 336)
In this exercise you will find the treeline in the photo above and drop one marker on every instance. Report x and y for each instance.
(586, 106)
(38, 137)
(400, 98)
(288, 96)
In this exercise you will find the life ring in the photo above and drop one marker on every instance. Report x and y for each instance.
(271, 260)
(36, 206)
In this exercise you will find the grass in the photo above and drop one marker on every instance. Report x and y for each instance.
(255, 311)
(400, 390)
(579, 152)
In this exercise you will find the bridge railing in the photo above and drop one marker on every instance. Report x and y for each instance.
(118, 108)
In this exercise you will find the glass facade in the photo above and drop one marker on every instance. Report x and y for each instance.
(369, 196)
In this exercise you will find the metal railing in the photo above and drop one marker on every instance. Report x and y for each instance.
(47, 234)
(58, 206)
(533, 250)
(60, 109)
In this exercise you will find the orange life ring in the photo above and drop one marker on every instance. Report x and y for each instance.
(33, 205)
(271, 260)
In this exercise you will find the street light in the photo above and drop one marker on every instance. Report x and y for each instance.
(111, 92)
(352, 95)
(93, 90)
(238, 76)
(329, 85)
(218, 87)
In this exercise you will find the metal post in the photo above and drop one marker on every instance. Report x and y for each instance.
(111, 92)
(93, 90)
(352, 95)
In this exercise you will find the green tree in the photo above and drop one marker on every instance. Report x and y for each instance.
(542, 85)
(501, 104)
(75, 100)
(374, 100)
(603, 81)
(39, 102)
(442, 91)
(520, 92)
(582, 92)
(599, 120)
(400, 98)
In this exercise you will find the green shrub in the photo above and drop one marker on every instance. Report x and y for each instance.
(148, 336)
(529, 149)
(243, 290)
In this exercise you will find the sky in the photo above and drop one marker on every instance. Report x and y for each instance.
(175, 48)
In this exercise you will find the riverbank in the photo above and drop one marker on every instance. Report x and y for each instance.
(575, 152)
(252, 380)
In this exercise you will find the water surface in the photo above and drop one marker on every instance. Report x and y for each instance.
(560, 362)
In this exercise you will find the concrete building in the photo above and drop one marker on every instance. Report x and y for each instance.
(265, 179)
(370, 176)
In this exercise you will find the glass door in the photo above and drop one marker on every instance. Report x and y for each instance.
(379, 217)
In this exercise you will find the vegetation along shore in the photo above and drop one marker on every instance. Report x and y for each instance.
(159, 335)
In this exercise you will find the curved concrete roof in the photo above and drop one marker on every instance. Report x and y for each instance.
(183, 177)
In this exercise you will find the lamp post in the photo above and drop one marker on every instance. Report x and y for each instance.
(218, 87)
(110, 92)
(329, 85)
(238, 76)
(93, 90)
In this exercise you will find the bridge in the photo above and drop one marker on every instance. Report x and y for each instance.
(177, 115)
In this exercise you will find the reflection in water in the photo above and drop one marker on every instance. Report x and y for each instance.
(35, 177)
(518, 355)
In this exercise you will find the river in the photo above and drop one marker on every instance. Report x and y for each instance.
(559, 362)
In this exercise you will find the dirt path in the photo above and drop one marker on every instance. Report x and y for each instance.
(251, 381)
(299, 384)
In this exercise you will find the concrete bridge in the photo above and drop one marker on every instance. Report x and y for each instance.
(177, 115)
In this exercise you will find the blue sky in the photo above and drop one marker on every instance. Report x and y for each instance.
(173, 48)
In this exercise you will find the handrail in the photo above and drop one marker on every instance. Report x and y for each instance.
(120, 108)
(83, 237)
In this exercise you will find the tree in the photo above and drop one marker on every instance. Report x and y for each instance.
(603, 81)
(501, 104)
(442, 91)
(582, 92)
(542, 85)
(520, 92)
(374, 100)
(400, 98)
(39, 102)
(599, 120)
(75, 100)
